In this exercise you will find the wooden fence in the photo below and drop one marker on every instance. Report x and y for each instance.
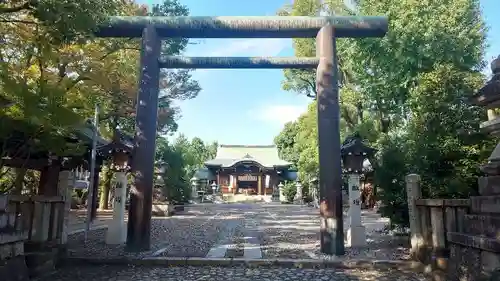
(41, 217)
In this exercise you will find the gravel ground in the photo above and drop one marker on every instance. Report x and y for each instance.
(186, 235)
(284, 231)
(116, 273)
(293, 232)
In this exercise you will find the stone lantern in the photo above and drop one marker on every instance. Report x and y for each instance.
(354, 153)
(314, 191)
(160, 171)
(482, 222)
(281, 196)
(194, 187)
(489, 97)
(298, 196)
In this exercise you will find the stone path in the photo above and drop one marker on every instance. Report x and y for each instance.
(117, 273)
(253, 231)
(244, 230)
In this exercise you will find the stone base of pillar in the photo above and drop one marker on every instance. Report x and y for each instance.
(116, 234)
(356, 236)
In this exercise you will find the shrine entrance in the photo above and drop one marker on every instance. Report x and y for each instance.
(325, 29)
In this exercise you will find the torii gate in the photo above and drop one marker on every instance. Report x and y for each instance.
(325, 29)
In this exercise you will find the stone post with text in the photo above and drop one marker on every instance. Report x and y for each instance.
(356, 234)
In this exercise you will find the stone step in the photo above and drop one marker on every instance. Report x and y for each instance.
(485, 225)
(14, 269)
(474, 241)
(485, 204)
(40, 263)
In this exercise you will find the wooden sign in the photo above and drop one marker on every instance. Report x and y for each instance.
(247, 178)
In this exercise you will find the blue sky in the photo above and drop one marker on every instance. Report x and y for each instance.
(248, 106)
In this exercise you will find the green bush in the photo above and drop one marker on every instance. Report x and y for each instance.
(289, 191)
(390, 174)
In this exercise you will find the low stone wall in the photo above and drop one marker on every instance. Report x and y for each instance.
(161, 209)
(475, 249)
(12, 261)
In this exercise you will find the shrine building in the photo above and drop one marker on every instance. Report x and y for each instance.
(246, 169)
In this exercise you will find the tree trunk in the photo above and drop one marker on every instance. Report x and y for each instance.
(19, 180)
(104, 200)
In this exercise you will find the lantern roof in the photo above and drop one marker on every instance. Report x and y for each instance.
(353, 145)
(489, 95)
(120, 142)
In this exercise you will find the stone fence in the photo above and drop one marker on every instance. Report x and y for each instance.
(34, 230)
(12, 262)
(456, 239)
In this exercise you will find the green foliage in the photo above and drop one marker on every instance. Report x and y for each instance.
(175, 183)
(54, 71)
(64, 20)
(183, 159)
(286, 143)
(195, 153)
(391, 168)
(407, 94)
(289, 191)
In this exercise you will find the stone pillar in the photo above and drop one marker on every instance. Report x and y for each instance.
(259, 184)
(262, 178)
(141, 196)
(95, 192)
(330, 167)
(116, 229)
(413, 193)
(65, 188)
(356, 234)
(231, 183)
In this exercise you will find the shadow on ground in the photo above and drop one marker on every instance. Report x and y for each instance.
(189, 234)
(189, 273)
(294, 233)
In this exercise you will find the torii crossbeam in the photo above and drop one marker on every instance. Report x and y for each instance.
(325, 29)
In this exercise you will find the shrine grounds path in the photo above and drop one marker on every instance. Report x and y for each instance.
(237, 231)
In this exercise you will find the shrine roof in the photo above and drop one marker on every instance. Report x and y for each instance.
(204, 174)
(230, 155)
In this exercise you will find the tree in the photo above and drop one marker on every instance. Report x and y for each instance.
(48, 57)
(120, 85)
(407, 95)
(64, 21)
(195, 153)
(176, 186)
(286, 143)
(183, 158)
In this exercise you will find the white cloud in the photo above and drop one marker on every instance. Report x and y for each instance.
(250, 47)
(238, 48)
(280, 114)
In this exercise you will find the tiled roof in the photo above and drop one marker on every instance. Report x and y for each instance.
(265, 155)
